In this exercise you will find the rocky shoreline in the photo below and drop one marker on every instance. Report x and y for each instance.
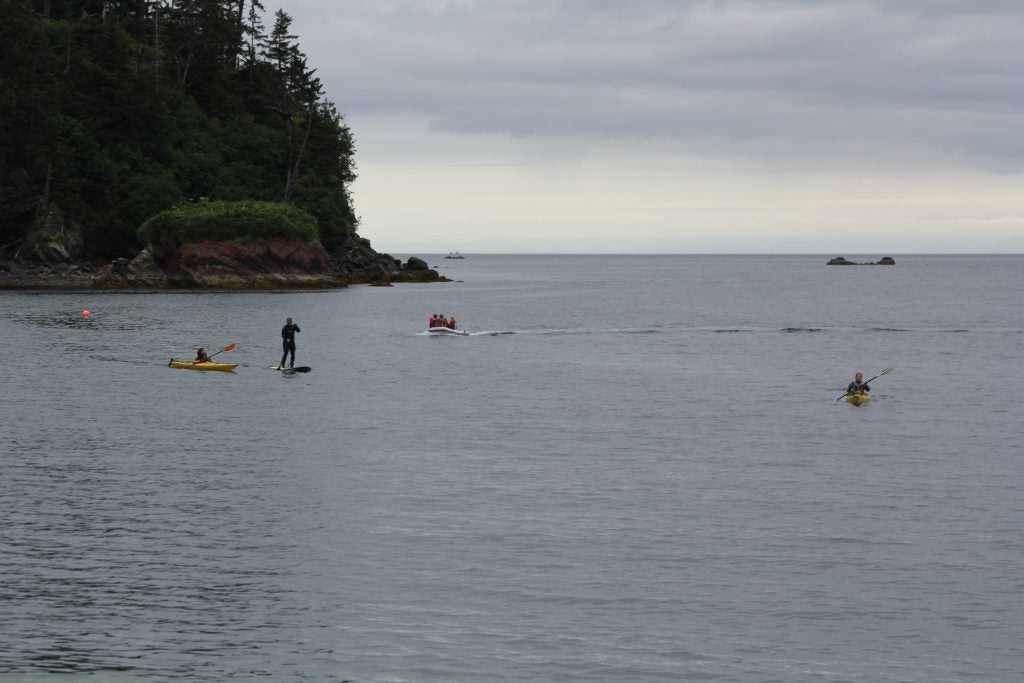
(258, 264)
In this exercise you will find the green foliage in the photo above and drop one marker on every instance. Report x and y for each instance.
(228, 221)
(146, 194)
(112, 113)
(332, 212)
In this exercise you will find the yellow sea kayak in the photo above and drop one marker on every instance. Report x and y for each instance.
(209, 365)
(857, 398)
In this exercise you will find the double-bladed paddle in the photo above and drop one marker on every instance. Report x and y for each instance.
(883, 372)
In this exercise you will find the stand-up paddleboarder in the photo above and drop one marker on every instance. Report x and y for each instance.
(288, 341)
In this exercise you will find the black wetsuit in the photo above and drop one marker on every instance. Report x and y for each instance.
(288, 340)
(857, 386)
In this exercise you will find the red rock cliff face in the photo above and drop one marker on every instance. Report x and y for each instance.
(258, 263)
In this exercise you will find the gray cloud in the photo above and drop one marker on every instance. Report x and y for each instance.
(782, 81)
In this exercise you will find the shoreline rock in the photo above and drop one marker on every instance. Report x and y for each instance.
(24, 275)
(258, 264)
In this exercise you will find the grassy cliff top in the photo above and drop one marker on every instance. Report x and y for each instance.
(229, 221)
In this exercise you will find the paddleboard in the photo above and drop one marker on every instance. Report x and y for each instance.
(288, 371)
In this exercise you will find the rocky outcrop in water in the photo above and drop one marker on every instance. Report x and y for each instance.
(355, 259)
(884, 261)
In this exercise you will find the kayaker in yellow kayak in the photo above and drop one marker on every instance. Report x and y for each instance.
(201, 356)
(858, 385)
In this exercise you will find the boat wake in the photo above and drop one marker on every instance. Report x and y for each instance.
(569, 331)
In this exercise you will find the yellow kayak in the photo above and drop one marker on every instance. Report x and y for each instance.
(208, 365)
(857, 398)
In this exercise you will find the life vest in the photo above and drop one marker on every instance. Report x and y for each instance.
(451, 323)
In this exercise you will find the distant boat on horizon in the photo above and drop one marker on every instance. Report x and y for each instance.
(455, 254)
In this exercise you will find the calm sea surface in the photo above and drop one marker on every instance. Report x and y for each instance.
(634, 469)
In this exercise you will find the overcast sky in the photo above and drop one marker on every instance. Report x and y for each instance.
(674, 126)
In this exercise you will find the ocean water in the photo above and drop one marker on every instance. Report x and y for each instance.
(634, 469)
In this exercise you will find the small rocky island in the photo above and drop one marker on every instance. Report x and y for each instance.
(237, 160)
(884, 261)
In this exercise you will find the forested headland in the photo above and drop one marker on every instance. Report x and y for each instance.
(113, 111)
